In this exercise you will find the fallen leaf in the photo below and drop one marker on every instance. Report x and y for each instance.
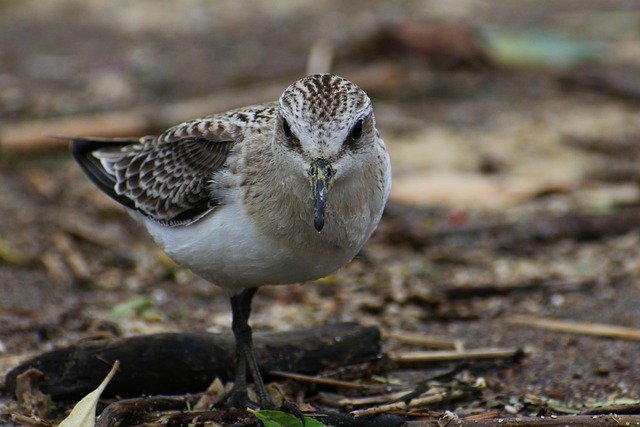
(213, 394)
(29, 394)
(539, 49)
(84, 413)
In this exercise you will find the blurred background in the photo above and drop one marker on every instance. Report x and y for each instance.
(514, 134)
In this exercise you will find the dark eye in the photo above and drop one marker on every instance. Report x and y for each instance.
(286, 129)
(356, 131)
(290, 140)
(355, 134)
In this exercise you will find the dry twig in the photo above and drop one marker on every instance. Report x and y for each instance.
(371, 400)
(594, 329)
(414, 403)
(445, 356)
(324, 381)
(423, 340)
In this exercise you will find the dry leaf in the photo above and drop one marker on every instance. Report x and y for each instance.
(29, 394)
(214, 393)
(84, 413)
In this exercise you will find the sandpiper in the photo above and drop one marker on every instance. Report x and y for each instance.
(275, 193)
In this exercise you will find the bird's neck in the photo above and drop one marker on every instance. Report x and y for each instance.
(281, 201)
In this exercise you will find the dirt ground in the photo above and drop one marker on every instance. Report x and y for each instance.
(514, 140)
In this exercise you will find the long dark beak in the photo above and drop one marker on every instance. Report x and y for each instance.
(321, 174)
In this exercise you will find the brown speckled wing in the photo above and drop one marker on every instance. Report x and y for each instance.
(165, 178)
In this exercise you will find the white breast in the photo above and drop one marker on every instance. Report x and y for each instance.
(226, 248)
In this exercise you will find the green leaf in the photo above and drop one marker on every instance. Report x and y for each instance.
(10, 255)
(539, 49)
(311, 422)
(271, 418)
(132, 306)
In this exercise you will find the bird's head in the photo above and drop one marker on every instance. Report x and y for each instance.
(327, 123)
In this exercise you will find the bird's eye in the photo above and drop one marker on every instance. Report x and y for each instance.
(286, 129)
(356, 131)
(290, 140)
(353, 141)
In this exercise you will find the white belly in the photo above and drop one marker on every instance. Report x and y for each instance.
(225, 248)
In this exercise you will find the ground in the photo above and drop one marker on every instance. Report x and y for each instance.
(515, 180)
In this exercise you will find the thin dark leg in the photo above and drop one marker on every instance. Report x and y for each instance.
(238, 395)
(241, 310)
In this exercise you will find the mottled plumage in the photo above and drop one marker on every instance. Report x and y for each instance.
(274, 193)
(166, 177)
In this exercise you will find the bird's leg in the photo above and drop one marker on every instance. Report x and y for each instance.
(238, 395)
(241, 310)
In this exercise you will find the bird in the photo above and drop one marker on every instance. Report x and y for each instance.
(270, 194)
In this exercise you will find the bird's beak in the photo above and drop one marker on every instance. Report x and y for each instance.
(321, 174)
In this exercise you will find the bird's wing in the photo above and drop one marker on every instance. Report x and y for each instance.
(166, 178)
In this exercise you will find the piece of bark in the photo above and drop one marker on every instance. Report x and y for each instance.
(622, 408)
(172, 363)
(552, 421)
(510, 235)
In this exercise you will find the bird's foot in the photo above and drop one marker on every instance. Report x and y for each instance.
(275, 400)
(239, 398)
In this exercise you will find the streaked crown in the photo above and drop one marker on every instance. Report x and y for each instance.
(323, 108)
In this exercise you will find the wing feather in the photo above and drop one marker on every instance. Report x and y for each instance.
(166, 179)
